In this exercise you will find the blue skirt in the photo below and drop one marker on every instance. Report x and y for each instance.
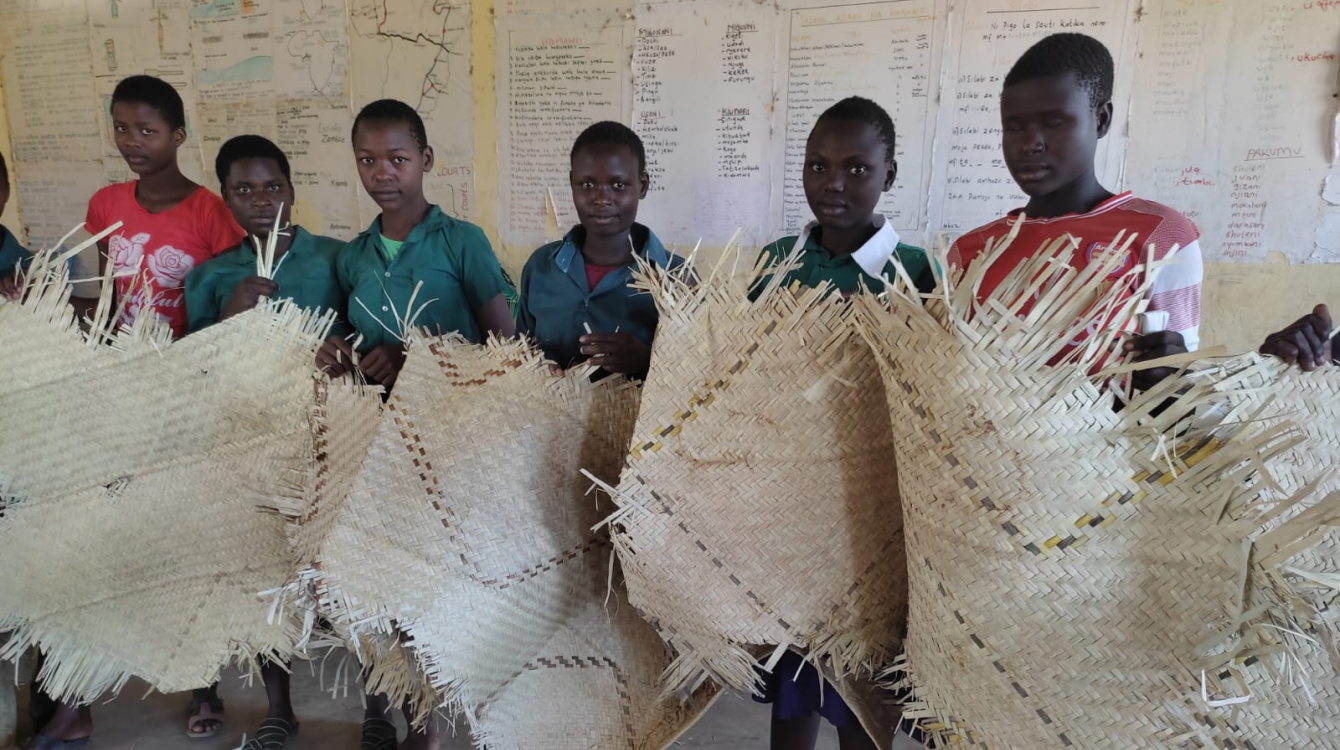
(796, 696)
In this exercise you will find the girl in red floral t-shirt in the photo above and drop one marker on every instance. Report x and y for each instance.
(170, 224)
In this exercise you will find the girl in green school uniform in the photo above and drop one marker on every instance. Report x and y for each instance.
(849, 163)
(412, 242)
(575, 298)
(257, 187)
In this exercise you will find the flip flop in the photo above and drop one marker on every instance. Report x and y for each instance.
(202, 710)
(378, 734)
(273, 734)
(43, 742)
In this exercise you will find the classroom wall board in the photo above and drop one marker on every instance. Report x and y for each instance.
(1225, 109)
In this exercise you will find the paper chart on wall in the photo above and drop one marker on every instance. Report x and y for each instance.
(48, 90)
(1235, 118)
(557, 76)
(888, 52)
(703, 103)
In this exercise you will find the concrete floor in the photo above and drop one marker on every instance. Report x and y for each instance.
(157, 722)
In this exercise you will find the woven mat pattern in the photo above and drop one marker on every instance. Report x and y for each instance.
(134, 469)
(1075, 571)
(758, 507)
(468, 538)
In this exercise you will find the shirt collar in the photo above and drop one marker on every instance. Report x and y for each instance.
(431, 222)
(875, 254)
(652, 249)
(302, 243)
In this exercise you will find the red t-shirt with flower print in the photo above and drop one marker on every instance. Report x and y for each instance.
(157, 251)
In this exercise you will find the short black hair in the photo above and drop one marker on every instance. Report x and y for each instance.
(393, 111)
(249, 147)
(4, 170)
(859, 109)
(156, 93)
(1059, 54)
(610, 133)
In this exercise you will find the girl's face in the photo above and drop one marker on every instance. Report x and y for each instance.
(847, 168)
(145, 139)
(391, 163)
(607, 185)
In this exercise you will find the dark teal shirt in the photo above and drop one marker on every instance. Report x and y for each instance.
(11, 252)
(452, 258)
(306, 275)
(863, 269)
(556, 305)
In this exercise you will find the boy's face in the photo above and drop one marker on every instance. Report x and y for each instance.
(144, 138)
(390, 163)
(606, 188)
(254, 190)
(1050, 132)
(847, 168)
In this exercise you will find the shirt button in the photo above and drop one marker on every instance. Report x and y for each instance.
(385, 308)
(388, 274)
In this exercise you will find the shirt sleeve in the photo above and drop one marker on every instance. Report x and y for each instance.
(481, 274)
(525, 319)
(95, 220)
(1176, 291)
(221, 230)
(202, 308)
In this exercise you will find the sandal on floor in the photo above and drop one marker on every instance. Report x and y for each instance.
(200, 711)
(273, 734)
(43, 742)
(378, 734)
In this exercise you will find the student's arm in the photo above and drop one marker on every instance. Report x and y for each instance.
(1306, 343)
(202, 310)
(485, 285)
(1176, 291)
(95, 221)
(495, 317)
(525, 319)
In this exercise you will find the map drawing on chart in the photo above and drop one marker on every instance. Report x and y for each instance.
(311, 49)
(417, 51)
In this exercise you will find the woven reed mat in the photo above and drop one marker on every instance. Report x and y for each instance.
(467, 538)
(133, 468)
(758, 507)
(1079, 576)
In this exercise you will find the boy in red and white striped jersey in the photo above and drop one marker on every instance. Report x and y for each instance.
(1055, 105)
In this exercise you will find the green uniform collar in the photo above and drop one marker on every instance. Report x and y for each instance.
(872, 257)
(432, 222)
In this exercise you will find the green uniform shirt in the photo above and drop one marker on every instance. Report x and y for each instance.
(306, 275)
(452, 258)
(864, 268)
(11, 252)
(556, 305)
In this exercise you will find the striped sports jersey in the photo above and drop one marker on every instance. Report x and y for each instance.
(1158, 228)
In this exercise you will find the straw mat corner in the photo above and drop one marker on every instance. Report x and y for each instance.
(467, 542)
(1086, 577)
(133, 471)
(758, 506)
